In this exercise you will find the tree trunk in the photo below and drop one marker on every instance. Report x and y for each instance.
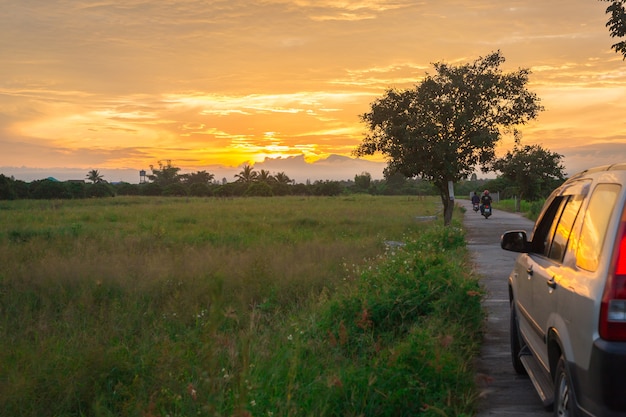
(448, 209)
(447, 199)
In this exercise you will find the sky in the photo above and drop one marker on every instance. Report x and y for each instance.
(120, 86)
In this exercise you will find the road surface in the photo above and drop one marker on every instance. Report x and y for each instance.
(504, 393)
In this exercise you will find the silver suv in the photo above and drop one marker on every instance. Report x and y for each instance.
(568, 296)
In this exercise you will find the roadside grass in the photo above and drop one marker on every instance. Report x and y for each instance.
(529, 209)
(152, 307)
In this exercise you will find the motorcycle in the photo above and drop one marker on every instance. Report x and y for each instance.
(486, 211)
(476, 206)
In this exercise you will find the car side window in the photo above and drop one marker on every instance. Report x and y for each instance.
(542, 238)
(564, 226)
(595, 222)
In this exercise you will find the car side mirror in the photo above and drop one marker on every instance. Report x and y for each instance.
(515, 241)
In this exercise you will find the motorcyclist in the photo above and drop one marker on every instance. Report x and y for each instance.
(475, 200)
(485, 200)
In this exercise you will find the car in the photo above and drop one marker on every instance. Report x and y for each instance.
(567, 293)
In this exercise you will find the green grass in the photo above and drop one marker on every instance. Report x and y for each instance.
(235, 307)
(529, 209)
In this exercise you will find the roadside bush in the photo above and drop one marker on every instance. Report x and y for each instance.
(399, 344)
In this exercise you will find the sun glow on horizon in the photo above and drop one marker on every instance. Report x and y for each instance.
(215, 84)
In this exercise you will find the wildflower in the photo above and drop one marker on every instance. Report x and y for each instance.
(253, 403)
(192, 391)
(290, 337)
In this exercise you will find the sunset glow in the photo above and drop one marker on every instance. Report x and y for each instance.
(209, 84)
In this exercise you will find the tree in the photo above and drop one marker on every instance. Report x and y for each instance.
(199, 189)
(247, 174)
(282, 184)
(7, 192)
(282, 178)
(617, 24)
(258, 189)
(176, 189)
(265, 176)
(49, 189)
(99, 189)
(533, 169)
(165, 175)
(94, 176)
(362, 182)
(449, 122)
(200, 177)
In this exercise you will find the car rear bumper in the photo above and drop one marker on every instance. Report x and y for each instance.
(601, 388)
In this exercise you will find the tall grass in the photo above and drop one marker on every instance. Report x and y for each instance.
(240, 307)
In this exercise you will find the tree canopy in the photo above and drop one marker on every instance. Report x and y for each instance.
(200, 177)
(617, 24)
(450, 122)
(533, 169)
(165, 175)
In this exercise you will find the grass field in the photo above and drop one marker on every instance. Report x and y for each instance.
(289, 306)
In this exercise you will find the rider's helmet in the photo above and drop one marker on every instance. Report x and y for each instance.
(486, 192)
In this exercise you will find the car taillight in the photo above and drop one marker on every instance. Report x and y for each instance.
(613, 308)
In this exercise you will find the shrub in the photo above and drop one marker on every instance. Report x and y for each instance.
(259, 189)
(199, 190)
(178, 190)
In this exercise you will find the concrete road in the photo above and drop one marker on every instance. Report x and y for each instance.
(504, 392)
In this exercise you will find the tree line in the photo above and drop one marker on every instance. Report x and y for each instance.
(523, 174)
(165, 180)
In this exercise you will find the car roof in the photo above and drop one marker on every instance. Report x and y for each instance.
(613, 167)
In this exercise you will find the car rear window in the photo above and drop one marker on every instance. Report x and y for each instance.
(595, 222)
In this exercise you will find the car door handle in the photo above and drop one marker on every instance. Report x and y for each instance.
(551, 283)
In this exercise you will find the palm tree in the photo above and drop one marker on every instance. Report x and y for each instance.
(248, 174)
(282, 178)
(94, 176)
(264, 176)
(282, 184)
